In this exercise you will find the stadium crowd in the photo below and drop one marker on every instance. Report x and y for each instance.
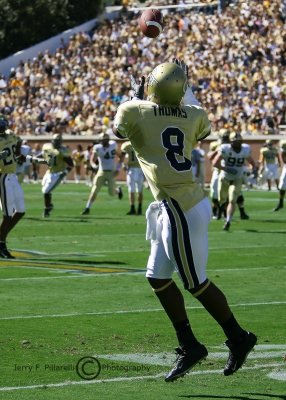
(236, 58)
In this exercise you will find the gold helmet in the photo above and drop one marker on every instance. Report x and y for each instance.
(269, 143)
(235, 137)
(167, 84)
(104, 136)
(57, 140)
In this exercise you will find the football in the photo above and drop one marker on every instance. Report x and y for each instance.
(151, 22)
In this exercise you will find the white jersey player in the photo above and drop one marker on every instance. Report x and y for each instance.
(105, 154)
(134, 177)
(231, 160)
(282, 180)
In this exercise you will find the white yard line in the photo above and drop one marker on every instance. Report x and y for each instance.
(270, 303)
(126, 379)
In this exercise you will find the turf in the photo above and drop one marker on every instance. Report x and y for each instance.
(77, 289)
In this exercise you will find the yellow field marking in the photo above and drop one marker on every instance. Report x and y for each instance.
(22, 261)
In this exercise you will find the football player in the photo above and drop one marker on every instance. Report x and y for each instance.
(269, 163)
(78, 159)
(282, 181)
(163, 132)
(134, 178)
(11, 192)
(214, 179)
(104, 153)
(60, 163)
(231, 160)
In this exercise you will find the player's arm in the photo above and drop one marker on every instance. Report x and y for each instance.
(216, 161)
(261, 162)
(94, 160)
(211, 155)
(251, 161)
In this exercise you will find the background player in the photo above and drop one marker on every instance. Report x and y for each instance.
(134, 178)
(78, 159)
(282, 181)
(104, 153)
(11, 192)
(230, 160)
(60, 164)
(269, 163)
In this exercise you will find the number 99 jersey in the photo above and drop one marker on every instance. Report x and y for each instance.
(233, 159)
(163, 138)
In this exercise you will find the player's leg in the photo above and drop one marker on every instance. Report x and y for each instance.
(159, 273)
(98, 182)
(223, 186)
(194, 225)
(282, 190)
(240, 204)
(139, 187)
(233, 193)
(130, 181)
(49, 182)
(214, 194)
(13, 208)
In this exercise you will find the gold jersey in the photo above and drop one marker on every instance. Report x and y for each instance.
(269, 155)
(55, 157)
(132, 161)
(9, 142)
(163, 138)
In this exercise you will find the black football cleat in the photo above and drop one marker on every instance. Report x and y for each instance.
(46, 213)
(131, 212)
(278, 207)
(86, 211)
(186, 360)
(4, 252)
(226, 226)
(238, 353)
(244, 216)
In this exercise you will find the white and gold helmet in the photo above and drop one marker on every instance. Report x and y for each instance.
(57, 140)
(167, 84)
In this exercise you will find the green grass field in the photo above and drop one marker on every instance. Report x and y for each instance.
(77, 290)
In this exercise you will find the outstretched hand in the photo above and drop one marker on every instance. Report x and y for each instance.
(182, 64)
(138, 88)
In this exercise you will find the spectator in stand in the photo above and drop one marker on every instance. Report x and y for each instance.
(237, 55)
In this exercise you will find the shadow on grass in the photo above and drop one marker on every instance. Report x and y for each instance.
(258, 231)
(244, 396)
